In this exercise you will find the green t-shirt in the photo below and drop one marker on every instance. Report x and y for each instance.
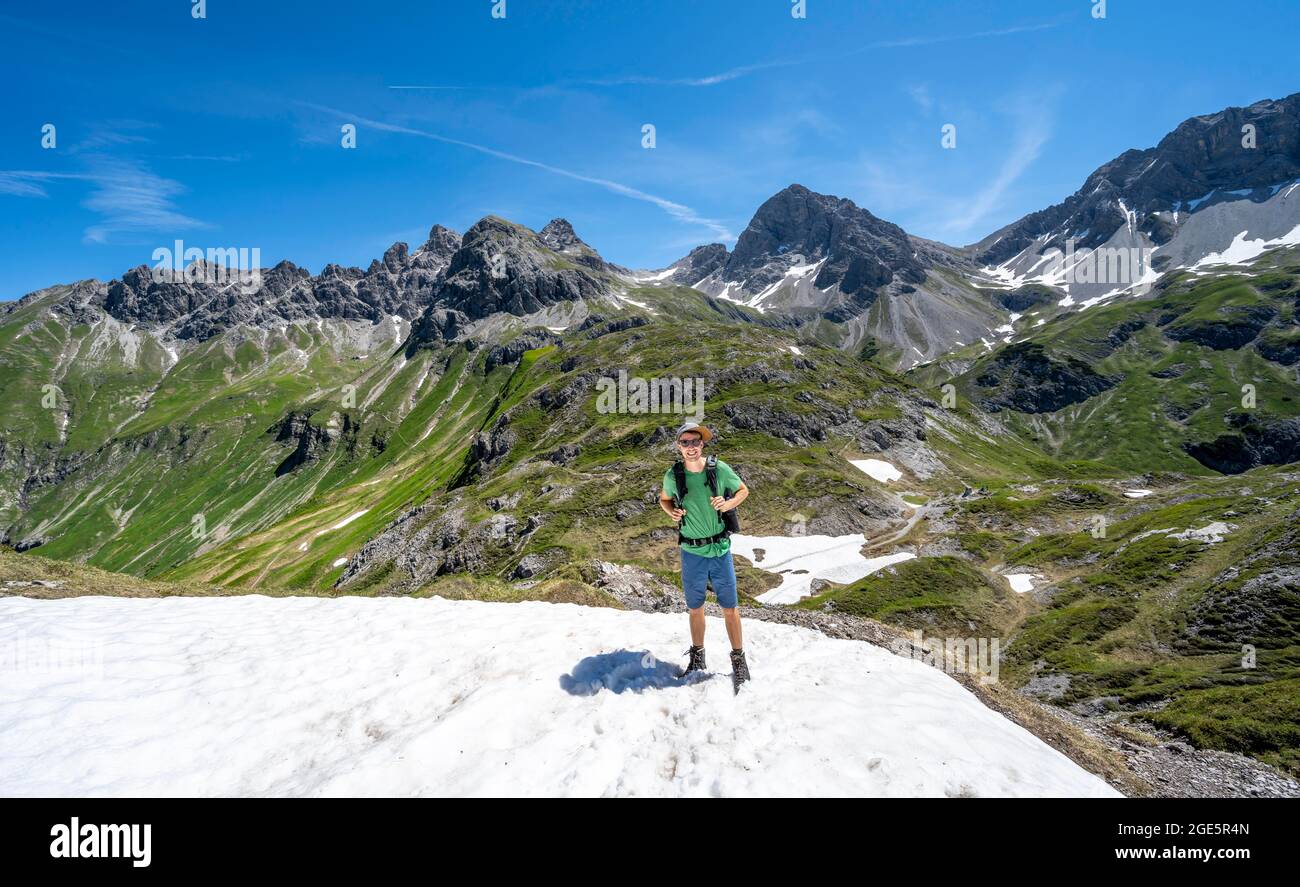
(702, 519)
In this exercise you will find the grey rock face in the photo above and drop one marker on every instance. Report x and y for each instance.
(634, 587)
(596, 325)
(1201, 156)
(435, 540)
(434, 326)
(1257, 597)
(861, 252)
(196, 306)
(1023, 377)
(509, 353)
(311, 441)
(558, 235)
(699, 263)
(1255, 442)
(505, 267)
(1232, 329)
(806, 255)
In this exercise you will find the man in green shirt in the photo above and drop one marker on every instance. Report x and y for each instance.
(705, 543)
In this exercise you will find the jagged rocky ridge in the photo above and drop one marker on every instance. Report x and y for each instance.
(1211, 187)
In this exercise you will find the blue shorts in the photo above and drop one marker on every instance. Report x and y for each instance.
(697, 571)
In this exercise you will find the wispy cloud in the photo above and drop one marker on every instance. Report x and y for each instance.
(30, 183)
(679, 211)
(928, 197)
(127, 195)
(920, 94)
(709, 80)
(951, 38)
(105, 138)
(132, 199)
(1032, 118)
(215, 158)
(794, 61)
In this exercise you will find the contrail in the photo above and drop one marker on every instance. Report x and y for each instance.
(676, 210)
(744, 70)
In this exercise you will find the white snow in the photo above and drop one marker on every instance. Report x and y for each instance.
(801, 559)
(1020, 582)
(412, 697)
(1137, 494)
(1129, 215)
(642, 305)
(1242, 250)
(878, 469)
(792, 275)
(794, 349)
(340, 562)
(349, 519)
(654, 276)
(343, 523)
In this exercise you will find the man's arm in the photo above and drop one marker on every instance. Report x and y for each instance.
(727, 504)
(742, 492)
(666, 503)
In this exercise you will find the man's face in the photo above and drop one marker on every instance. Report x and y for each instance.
(690, 444)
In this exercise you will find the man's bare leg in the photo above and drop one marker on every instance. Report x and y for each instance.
(732, 618)
(697, 626)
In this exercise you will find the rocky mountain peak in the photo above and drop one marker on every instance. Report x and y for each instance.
(442, 242)
(860, 251)
(1204, 161)
(559, 235)
(501, 266)
(397, 257)
(699, 263)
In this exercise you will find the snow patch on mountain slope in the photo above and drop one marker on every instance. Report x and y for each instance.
(652, 276)
(1243, 250)
(801, 559)
(1219, 228)
(406, 697)
(878, 469)
(1020, 582)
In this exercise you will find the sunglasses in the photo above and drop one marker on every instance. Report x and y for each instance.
(690, 444)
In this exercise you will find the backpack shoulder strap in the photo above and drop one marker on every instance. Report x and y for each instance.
(711, 473)
(679, 478)
(711, 476)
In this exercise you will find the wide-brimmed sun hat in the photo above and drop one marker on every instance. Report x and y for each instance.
(703, 430)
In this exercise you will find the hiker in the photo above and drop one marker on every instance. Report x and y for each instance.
(704, 539)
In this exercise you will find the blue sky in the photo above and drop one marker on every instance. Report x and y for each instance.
(225, 131)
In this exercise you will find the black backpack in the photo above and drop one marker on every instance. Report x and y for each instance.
(730, 519)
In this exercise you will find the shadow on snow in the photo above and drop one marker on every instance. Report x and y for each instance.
(625, 670)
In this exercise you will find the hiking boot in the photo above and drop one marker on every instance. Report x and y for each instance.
(739, 669)
(697, 660)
